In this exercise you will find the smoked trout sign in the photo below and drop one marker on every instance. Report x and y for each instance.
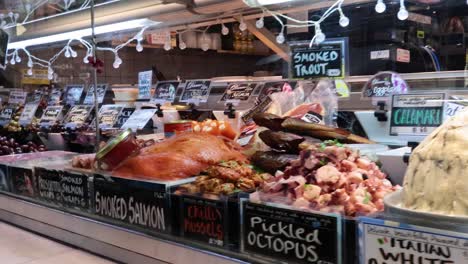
(328, 59)
(416, 114)
(386, 242)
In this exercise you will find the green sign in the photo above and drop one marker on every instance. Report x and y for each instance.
(416, 114)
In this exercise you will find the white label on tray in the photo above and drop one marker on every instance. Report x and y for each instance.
(384, 242)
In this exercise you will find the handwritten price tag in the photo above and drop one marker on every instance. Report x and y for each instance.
(394, 243)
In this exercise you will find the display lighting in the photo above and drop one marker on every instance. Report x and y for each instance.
(380, 7)
(261, 21)
(242, 25)
(182, 44)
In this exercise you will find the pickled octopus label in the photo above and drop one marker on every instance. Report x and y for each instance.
(393, 243)
(288, 235)
(204, 220)
(134, 206)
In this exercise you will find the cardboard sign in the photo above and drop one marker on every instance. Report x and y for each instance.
(144, 84)
(51, 115)
(17, 97)
(385, 84)
(140, 205)
(385, 242)
(124, 116)
(54, 98)
(6, 114)
(196, 91)
(289, 235)
(36, 96)
(165, 92)
(28, 114)
(204, 220)
(327, 59)
(101, 93)
(108, 115)
(77, 115)
(416, 114)
(37, 78)
(74, 92)
(274, 87)
(139, 119)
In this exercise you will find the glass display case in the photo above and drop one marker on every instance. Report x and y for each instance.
(256, 131)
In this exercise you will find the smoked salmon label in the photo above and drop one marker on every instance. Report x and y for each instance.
(123, 201)
(280, 234)
(395, 243)
(204, 220)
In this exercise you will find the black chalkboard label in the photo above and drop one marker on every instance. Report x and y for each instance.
(204, 220)
(165, 91)
(327, 59)
(123, 117)
(196, 91)
(139, 204)
(22, 181)
(289, 235)
(239, 91)
(416, 114)
(48, 184)
(4, 178)
(75, 190)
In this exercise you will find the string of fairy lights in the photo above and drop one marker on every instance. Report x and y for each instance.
(283, 20)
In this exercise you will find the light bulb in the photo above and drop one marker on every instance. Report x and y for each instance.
(205, 46)
(344, 21)
(118, 60)
(67, 53)
(30, 72)
(167, 46)
(73, 53)
(242, 25)
(28, 7)
(139, 47)
(116, 65)
(10, 14)
(182, 45)
(380, 7)
(224, 30)
(260, 23)
(280, 38)
(30, 63)
(50, 71)
(319, 36)
(18, 59)
(50, 76)
(403, 13)
(16, 16)
(85, 59)
(12, 61)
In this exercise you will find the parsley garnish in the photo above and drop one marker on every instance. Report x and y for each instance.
(367, 198)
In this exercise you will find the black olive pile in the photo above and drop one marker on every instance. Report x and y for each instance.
(9, 146)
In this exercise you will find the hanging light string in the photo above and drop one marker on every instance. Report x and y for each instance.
(319, 36)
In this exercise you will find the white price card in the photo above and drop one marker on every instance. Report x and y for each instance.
(17, 97)
(139, 119)
(28, 114)
(144, 84)
(385, 242)
(51, 115)
(101, 93)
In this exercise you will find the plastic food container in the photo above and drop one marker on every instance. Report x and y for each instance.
(125, 94)
(117, 150)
